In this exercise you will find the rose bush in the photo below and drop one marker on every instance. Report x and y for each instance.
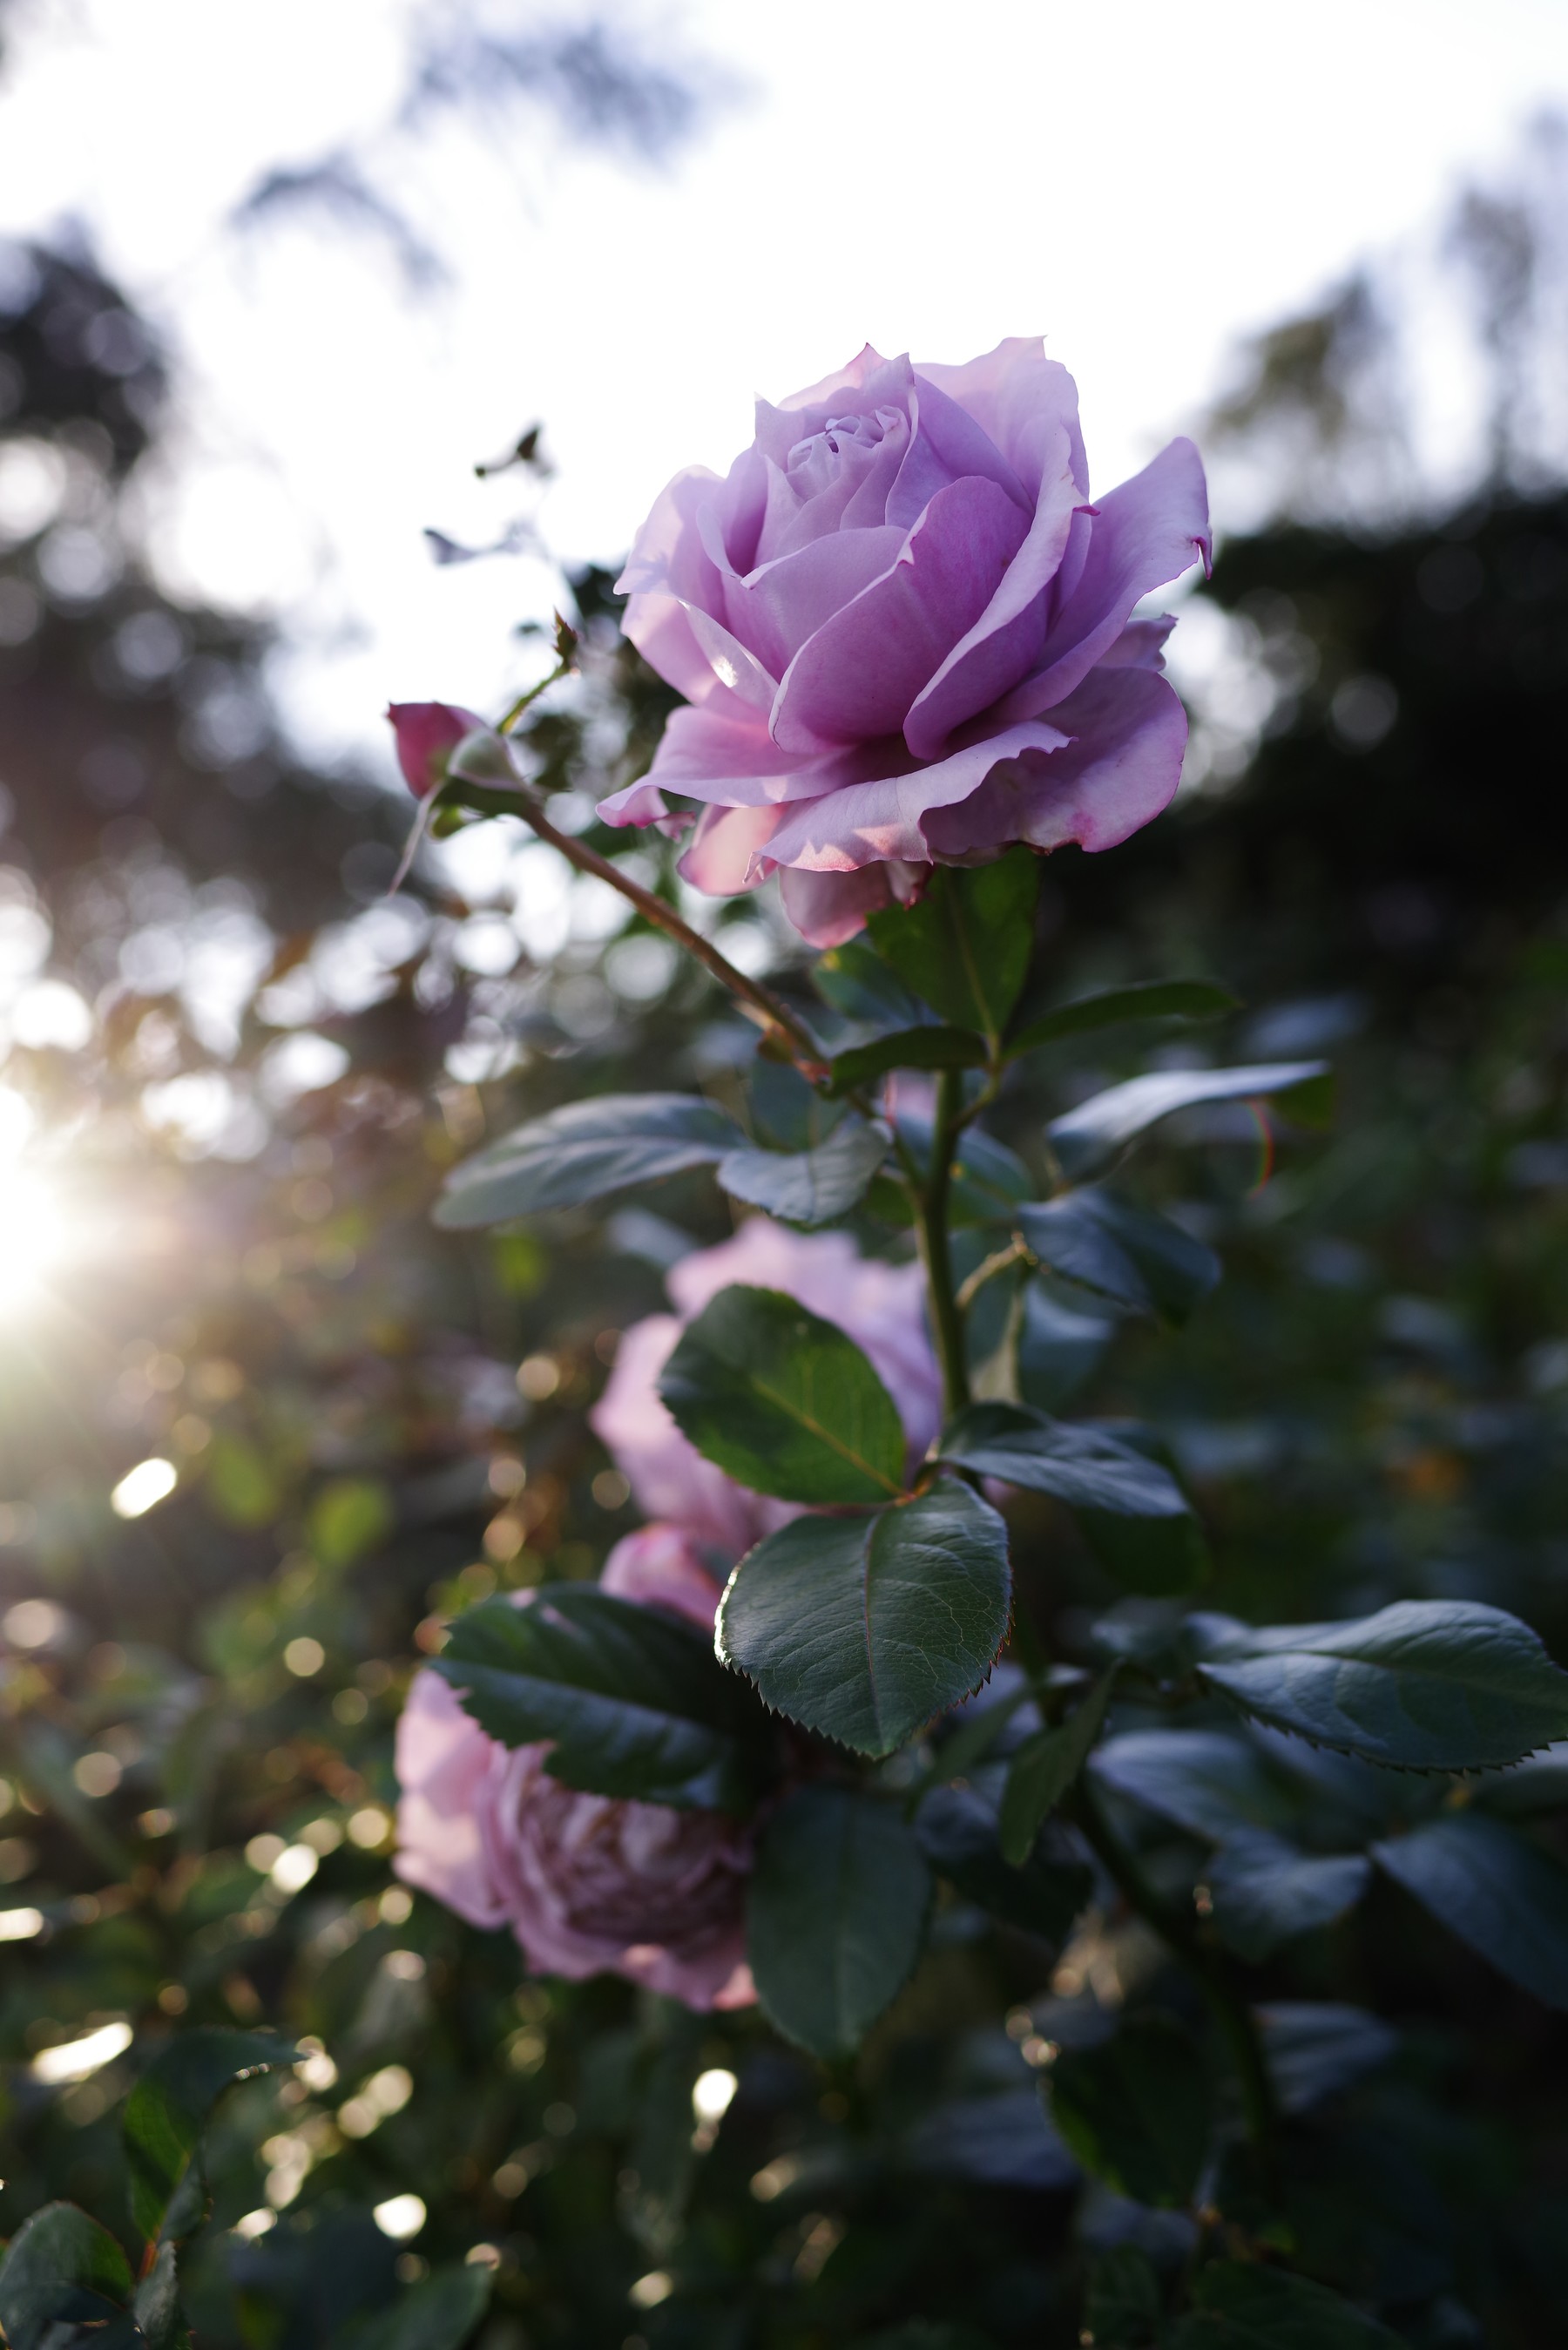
(588, 1884)
(905, 635)
(879, 1305)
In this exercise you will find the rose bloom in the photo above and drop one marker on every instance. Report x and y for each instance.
(880, 1306)
(905, 635)
(589, 1884)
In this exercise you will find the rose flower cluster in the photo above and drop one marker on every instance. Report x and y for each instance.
(588, 1883)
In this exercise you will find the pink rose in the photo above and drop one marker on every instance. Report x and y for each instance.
(905, 635)
(428, 732)
(589, 1884)
(880, 1306)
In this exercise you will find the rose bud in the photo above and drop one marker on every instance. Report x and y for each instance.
(427, 733)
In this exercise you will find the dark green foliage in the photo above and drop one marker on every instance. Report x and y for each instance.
(909, 1048)
(1135, 2109)
(964, 948)
(1495, 1890)
(1084, 1467)
(1040, 1890)
(866, 1629)
(1044, 1767)
(634, 1703)
(582, 1151)
(1264, 1892)
(1097, 1131)
(783, 1402)
(439, 2313)
(1142, 1262)
(167, 2113)
(1149, 999)
(61, 2267)
(837, 1906)
(1242, 2306)
(1427, 1685)
(809, 1187)
(1123, 2303)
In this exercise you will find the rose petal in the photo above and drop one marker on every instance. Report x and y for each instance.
(426, 734)
(1018, 397)
(1120, 769)
(1007, 640)
(726, 852)
(828, 909)
(857, 676)
(660, 1567)
(1143, 533)
(847, 828)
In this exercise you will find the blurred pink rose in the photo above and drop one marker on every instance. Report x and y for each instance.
(589, 1885)
(427, 733)
(880, 1306)
(906, 635)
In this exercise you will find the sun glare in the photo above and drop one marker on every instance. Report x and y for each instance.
(33, 1234)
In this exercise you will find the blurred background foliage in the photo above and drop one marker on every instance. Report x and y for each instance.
(241, 1068)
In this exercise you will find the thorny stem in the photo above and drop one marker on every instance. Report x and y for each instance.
(1207, 1967)
(931, 1197)
(774, 1017)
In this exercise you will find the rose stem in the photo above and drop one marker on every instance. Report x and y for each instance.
(931, 1211)
(521, 799)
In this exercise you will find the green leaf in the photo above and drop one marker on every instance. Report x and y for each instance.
(988, 1180)
(1041, 1893)
(1141, 1262)
(1504, 1896)
(1427, 1685)
(1123, 2305)
(1240, 2306)
(856, 982)
(783, 1402)
(1316, 2048)
(167, 2112)
(909, 1048)
(583, 1150)
(61, 2267)
(634, 1698)
(809, 1187)
(1210, 1781)
(157, 2307)
(964, 948)
(864, 1628)
(1149, 999)
(439, 2313)
(1089, 1136)
(1155, 1556)
(1265, 1892)
(834, 1915)
(1081, 1466)
(1135, 2109)
(1044, 1767)
(1058, 1348)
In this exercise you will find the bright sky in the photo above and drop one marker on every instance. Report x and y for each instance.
(1144, 182)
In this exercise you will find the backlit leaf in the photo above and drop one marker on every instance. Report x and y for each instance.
(909, 1048)
(809, 1187)
(864, 1628)
(60, 2268)
(634, 1699)
(584, 1150)
(1088, 1138)
(167, 2112)
(783, 1402)
(964, 947)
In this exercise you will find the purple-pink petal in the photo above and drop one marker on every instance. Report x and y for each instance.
(862, 822)
(1120, 769)
(857, 676)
